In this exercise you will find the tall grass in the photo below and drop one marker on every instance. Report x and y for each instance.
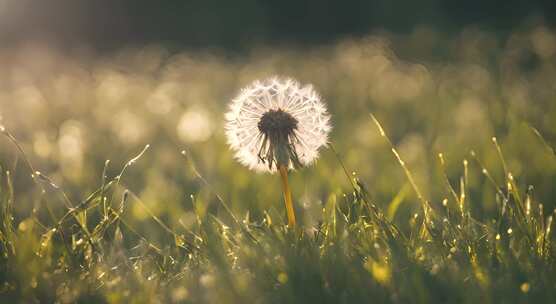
(354, 254)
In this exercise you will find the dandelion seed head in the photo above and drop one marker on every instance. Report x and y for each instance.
(277, 121)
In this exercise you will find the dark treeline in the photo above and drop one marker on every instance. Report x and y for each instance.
(234, 24)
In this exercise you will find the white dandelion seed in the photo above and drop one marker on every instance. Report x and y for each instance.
(277, 122)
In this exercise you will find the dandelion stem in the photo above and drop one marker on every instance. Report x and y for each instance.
(287, 195)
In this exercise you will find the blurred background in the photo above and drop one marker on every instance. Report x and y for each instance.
(238, 25)
(86, 81)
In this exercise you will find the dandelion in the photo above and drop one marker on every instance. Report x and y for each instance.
(276, 125)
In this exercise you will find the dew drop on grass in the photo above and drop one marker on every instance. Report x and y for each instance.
(435, 268)
(525, 287)
(207, 280)
(282, 278)
(33, 282)
(180, 294)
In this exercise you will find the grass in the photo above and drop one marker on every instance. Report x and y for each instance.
(354, 254)
(444, 195)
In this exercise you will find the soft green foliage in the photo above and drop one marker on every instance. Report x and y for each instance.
(418, 203)
(354, 254)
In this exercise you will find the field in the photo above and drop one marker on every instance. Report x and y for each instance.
(438, 185)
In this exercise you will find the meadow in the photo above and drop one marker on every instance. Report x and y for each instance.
(438, 186)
